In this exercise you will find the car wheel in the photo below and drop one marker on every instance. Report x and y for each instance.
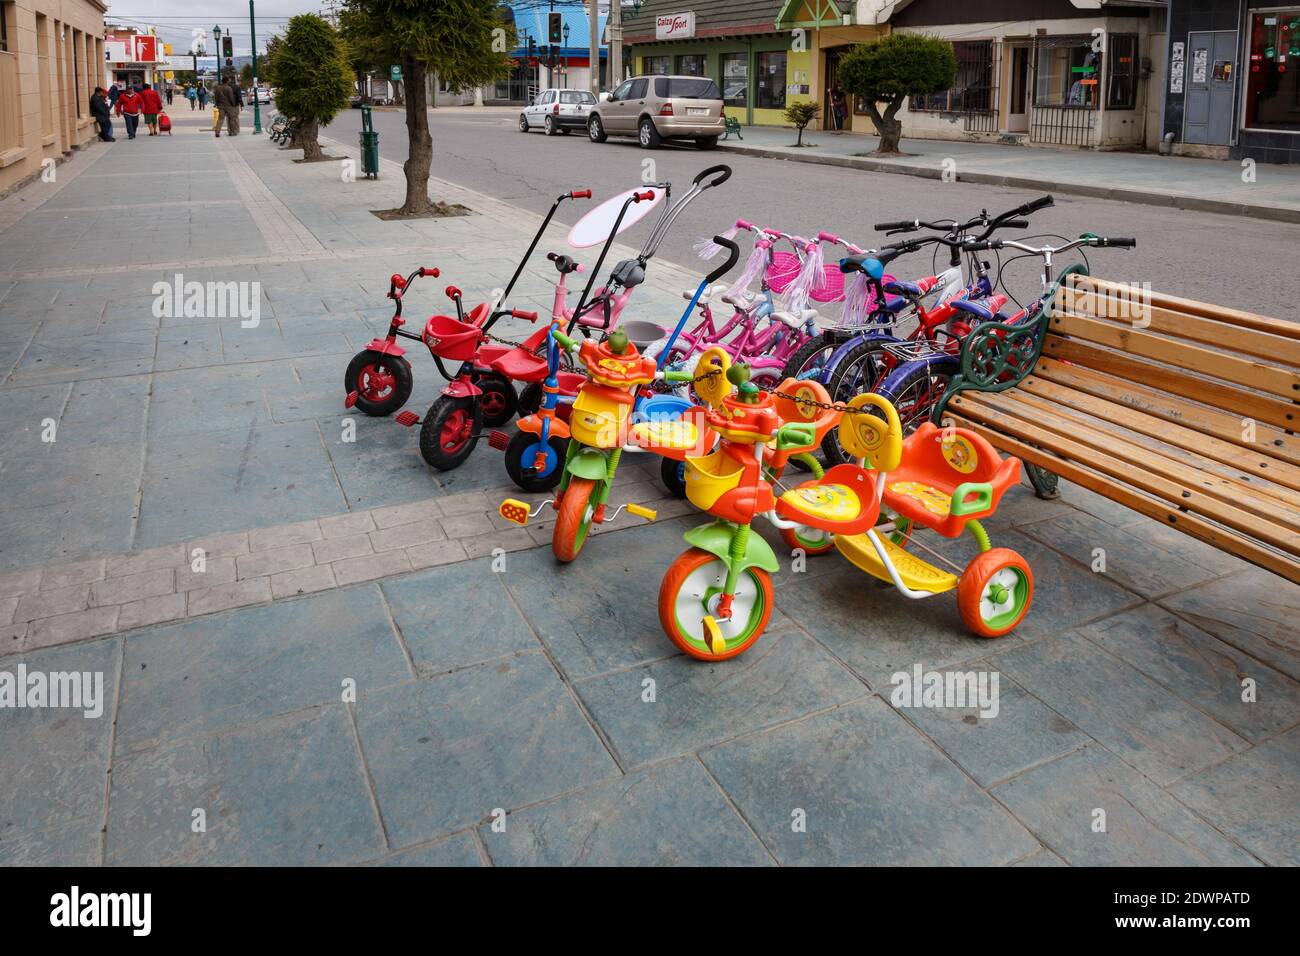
(523, 123)
(647, 135)
(595, 130)
(549, 123)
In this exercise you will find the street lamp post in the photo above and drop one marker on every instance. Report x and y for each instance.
(565, 57)
(216, 42)
(257, 108)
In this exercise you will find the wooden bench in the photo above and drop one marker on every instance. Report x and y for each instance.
(1182, 411)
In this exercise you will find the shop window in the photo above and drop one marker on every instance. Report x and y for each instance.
(735, 79)
(5, 10)
(1067, 72)
(657, 64)
(1273, 80)
(1121, 71)
(973, 90)
(690, 64)
(770, 91)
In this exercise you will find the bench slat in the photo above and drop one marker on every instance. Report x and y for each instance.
(1224, 502)
(1219, 313)
(1171, 408)
(1248, 459)
(1231, 368)
(1218, 537)
(1262, 408)
(1179, 325)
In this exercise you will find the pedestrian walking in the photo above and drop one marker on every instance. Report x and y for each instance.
(170, 93)
(99, 109)
(203, 97)
(113, 93)
(129, 107)
(839, 107)
(192, 95)
(151, 105)
(226, 99)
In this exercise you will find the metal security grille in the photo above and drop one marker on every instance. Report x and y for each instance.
(1067, 76)
(978, 66)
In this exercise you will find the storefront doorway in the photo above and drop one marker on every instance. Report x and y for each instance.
(1017, 87)
(1209, 81)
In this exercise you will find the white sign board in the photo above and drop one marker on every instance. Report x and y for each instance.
(675, 26)
(1176, 68)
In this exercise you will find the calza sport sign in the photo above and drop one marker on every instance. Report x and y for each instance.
(674, 26)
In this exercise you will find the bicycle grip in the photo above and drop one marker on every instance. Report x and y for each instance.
(1121, 243)
(397, 280)
(733, 253)
(648, 194)
(1014, 224)
(521, 314)
(580, 194)
(430, 271)
(889, 226)
(1042, 202)
(452, 292)
(978, 245)
(827, 237)
(745, 224)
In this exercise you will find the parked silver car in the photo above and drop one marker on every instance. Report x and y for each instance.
(656, 108)
(557, 111)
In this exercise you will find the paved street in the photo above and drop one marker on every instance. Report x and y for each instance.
(1228, 259)
(332, 654)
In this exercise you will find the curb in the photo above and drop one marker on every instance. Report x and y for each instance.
(1142, 197)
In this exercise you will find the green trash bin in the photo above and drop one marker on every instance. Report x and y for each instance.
(369, 144)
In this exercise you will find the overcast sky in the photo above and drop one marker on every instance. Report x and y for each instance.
(176, 18)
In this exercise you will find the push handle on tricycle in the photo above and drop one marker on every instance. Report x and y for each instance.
(796, 435)
(452, 292)
(648, 194)
(733, 253)
(722, 171)
(522, 314)
(580, 194)
(982, 500)
(428, 271)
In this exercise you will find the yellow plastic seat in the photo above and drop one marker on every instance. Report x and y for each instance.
(916, 574)
(829, 503)
(934, 500)
(677, 433)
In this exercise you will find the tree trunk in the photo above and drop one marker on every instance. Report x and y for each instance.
(311, 150)
(419, 157)
(799, 140)
(889, 129)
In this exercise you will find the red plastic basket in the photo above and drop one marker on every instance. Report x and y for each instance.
(450, 338)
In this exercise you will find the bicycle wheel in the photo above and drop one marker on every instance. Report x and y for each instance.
(914, 388)
(861, 370)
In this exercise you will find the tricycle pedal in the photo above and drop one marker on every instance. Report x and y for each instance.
(351, 400)
(498, 439)
(512, 509)
(713, 635)
(407, 418)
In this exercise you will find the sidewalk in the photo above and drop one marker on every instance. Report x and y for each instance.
(1201, 184)
(352, 676)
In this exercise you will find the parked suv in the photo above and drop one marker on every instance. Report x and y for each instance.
(557, 111)
(655, 108)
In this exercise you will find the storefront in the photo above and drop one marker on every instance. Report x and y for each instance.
(1233, 88)
(1075, 75)
(758, 70)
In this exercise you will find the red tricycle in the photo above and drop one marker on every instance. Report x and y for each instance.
(378, 379)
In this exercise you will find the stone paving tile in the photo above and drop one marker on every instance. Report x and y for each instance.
(154, 610)
(73, 528)
(458, 850)
(75, 844)
(873, 790)
(1201, 669)
(1041, 858)
(456, 616)
(274, 561)
(302, 581)
(1132, 715)
(783, 676)
(406, 536)
(282, 536)
(213, 571)
(1132, 560)
(1251, 797)
(382, 467)
(346, 525)
(1255, 611)
(66, 575)
(133, 587)
(436, 553)
(52, 601)
(1023, 733)
(53, 761)
(284, 792)
(1145, 826)
(223, 597)
(614, 624)
(237, 668)
(502, 735)
(672, 814)
(371, 566)
(167, 556)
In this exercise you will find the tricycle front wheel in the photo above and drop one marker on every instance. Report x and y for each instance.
(574, 519)
(450, 432)
(690, 591)
(521, 457)
(381, 383)
(995, 592)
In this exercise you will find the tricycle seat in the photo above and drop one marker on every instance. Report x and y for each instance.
(842, 502)
(948, 477)
(521, 365)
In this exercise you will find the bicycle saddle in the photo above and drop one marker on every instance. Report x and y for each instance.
(795, 321)
(708, 293)
(740, 298)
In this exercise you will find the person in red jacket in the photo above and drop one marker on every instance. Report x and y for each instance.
(151, 104)
(128, 107)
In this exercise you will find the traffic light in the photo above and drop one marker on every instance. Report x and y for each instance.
(227, 46)
(555, 28)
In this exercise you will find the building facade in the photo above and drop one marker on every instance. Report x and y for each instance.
(1233, 85)
(132, 57)
(51, 57)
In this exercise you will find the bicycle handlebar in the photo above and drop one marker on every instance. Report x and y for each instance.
(648, 194)
(1100, 241)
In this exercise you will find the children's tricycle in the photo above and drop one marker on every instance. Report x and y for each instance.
(716, 598)
(378, 379)
(942, 479)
